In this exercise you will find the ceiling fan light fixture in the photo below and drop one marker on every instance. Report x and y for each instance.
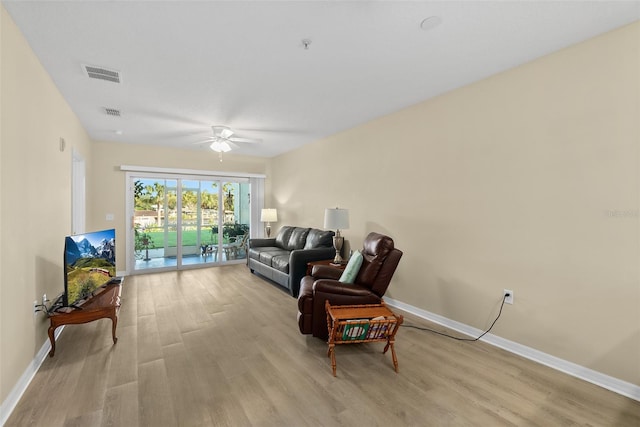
(220, 146)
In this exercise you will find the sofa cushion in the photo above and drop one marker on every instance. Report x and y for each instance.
(254, 253)
(319, 238)
(266, 257)
(298, 238)
(282, 239)
(280, 263)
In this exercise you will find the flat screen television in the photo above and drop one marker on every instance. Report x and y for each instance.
(89, 263)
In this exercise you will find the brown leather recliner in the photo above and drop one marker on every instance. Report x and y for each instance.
(380, 260)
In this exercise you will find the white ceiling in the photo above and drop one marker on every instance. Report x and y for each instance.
(186, 66)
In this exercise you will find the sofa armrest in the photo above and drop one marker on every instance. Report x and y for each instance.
(258, 242)
(303, 256)
(298, 260)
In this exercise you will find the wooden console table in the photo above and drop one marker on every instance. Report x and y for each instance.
(351, 324)
(105, 303)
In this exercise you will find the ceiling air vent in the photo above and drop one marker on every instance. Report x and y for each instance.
(101, 73)
(112, 112)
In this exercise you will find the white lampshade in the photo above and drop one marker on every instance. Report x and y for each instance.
(269, 215)
(336, 219)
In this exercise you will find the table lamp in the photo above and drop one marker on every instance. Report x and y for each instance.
(268, 216)
(337, 219)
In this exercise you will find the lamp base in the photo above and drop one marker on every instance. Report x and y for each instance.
(337, 244)
(267, 230)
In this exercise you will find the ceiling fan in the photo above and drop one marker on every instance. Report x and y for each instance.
(223, 140)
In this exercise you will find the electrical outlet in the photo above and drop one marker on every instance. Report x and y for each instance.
(35, 308)
(508, 296)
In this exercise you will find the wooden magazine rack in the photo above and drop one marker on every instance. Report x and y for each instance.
(351, 324)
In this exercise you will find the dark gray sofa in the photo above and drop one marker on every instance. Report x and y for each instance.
(284, 258)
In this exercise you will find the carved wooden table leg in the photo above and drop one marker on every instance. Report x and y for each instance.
(114, 323)
(52, 338)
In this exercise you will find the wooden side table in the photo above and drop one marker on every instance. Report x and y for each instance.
(328, 262)
(105, 303)
(351, 324)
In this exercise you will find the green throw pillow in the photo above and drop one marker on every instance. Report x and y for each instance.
(351, 270)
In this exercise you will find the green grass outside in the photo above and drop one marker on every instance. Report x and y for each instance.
(189, 238)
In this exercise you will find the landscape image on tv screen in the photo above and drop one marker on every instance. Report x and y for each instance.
(90, 262)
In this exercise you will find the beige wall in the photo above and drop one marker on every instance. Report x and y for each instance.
(528, 180)
(35, 195)
(108, 189)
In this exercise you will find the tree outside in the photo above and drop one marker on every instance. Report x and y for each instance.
(155, 202)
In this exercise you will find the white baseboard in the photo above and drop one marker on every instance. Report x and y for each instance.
(18, 390)
(610, 383)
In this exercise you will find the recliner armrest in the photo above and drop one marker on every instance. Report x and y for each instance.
(334, 287)
(325, 272)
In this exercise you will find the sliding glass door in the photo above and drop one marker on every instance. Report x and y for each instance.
(235, 222)
(188, 222)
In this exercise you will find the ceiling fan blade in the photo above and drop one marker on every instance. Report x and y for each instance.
(231, 144)
(206, 141)
(226, 133)
(247, 140)
(222, 131)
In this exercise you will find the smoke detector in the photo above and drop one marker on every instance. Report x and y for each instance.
(430, 23)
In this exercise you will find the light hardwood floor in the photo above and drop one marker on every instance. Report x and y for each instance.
(221, 347)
